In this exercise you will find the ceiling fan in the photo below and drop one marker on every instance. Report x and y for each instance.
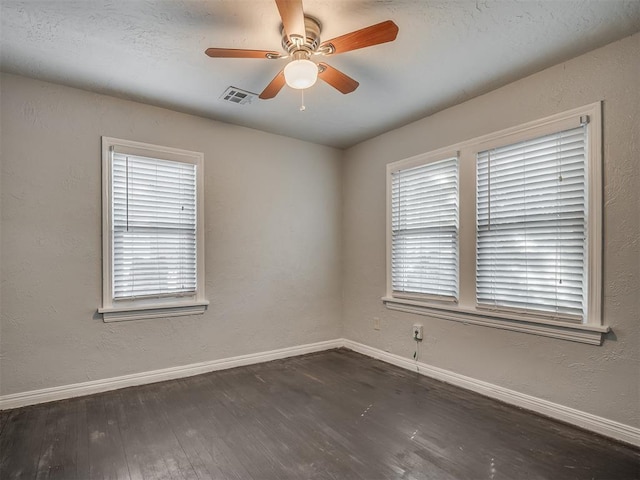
(301, 41)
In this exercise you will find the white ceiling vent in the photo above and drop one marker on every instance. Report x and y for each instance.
(237, 95)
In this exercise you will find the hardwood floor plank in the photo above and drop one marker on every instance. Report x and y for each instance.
(132, 434)
(189, 428)
(331, 415)
(81, 447)
(106, 454)
(206, 423)
(365, 415)
(167, 443)
(245, 443)
(284, 435)
(339, 424)
(4, 418)
(21, 442)
(8, 441)
(57, 457)
(146, 437)
(296, 407)
(373, 412)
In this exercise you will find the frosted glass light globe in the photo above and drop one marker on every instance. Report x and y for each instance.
(301, 74)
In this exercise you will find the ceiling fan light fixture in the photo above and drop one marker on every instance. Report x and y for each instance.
(301, 73)
(301, 40)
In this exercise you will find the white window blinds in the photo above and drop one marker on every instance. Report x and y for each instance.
(531, 225)
(153, 227)
(424, 229)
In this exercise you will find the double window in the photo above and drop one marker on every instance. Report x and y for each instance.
(504, 230)
(152, 231)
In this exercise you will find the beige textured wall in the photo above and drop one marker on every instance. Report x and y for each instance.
(604, 380)
(272, 218)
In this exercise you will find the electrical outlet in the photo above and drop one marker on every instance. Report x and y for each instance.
(376, 323)
(417, 332)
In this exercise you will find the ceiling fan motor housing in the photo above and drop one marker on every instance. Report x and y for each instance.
(296, 43)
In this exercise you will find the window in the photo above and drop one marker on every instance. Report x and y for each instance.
(506, 233)
(152, 233)
(531, 225)
(424, 230)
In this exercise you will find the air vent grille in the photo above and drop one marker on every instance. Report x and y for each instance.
(238, 96)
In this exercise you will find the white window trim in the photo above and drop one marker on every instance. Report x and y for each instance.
(138, 309)
(465, 309)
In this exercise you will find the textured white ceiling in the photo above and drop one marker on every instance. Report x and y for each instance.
(446, 52)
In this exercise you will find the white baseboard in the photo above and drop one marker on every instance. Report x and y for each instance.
(603, 426)
(594, 423)
(96, 386)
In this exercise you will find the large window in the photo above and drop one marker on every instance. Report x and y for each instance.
(512, 239)
(152, 232)
(531, 225)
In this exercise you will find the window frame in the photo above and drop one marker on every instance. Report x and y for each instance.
(466, 309)
(115, 310)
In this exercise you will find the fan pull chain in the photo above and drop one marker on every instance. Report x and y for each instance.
(302, 107)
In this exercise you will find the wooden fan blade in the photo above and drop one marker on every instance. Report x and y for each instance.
(292, 18)
(239, 53)
(365, 37)
(336, 78)
(274, 87)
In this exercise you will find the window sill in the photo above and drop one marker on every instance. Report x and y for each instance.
(121, 314)
(590, 334)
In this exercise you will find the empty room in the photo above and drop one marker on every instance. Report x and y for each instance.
(320, 239)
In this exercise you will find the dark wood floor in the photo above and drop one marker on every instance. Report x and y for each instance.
(331, 415)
